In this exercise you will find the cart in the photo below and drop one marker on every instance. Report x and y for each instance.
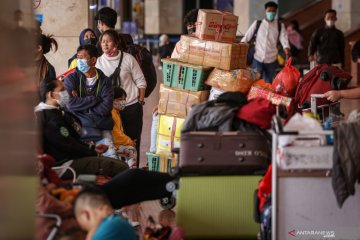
(303, 202)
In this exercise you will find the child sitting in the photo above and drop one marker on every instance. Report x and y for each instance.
(125, 145)
(95, 215)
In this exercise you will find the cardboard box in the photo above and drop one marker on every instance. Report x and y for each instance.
(239, 80)
(276, 99)
(227, 56)
(178, 102)
(169, 133)
(216, 25)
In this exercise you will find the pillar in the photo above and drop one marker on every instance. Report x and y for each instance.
(163, 16)
(65, 20)
(348, 14)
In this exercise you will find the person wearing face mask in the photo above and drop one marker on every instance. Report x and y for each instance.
(106, 19)
(87, 36)
(327, 43)
(91, 99)
(61, 130)
(264, 35)
(295, 39)
(190, 23)
(125, 146)
(130, 78)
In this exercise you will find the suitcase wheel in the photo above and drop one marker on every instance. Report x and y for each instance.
(168, 202)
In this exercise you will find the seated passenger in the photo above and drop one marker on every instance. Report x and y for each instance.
(87, 36)
(125, 146)
(91, 99)
(60, 134)
(95, 215)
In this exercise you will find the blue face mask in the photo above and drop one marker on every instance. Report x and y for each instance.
(270, 16)
(82, 65)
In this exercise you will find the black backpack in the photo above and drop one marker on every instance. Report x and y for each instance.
(145, 60)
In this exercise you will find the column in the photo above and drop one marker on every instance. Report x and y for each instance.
(65, 20)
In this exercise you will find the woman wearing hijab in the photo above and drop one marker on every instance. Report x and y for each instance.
(87, 36)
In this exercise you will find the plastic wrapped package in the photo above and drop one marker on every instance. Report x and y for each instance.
(239, 80)
(216, 25)
(268, 93)
(215, 93)
(177, 102)
(221, 55)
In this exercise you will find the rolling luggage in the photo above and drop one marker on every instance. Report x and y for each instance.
(217, 207)
(223, 153)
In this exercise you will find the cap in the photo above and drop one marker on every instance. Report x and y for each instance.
(108, 16)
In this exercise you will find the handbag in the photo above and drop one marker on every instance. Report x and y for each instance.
(115, 76)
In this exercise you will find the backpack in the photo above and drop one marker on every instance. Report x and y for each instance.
(319, 80)
(145, 60)
(252, 42)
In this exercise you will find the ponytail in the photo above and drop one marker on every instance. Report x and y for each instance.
(47, 42)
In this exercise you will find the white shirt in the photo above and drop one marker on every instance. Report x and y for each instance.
(91, 81)
(131, 74)
(266, 40)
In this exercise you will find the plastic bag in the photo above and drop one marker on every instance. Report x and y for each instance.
(285, 83)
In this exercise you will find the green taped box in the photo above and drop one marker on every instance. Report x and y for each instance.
(217, 207)
(160, 163)
(182, 75)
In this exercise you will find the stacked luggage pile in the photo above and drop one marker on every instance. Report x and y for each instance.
(217, 169)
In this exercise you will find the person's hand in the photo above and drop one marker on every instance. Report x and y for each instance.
(74, 93)
(101, 148)
(311, 58)
(155, 110)
(333, 95)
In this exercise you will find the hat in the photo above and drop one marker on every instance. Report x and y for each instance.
(108, 16)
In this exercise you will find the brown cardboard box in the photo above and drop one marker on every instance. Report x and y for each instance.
(216, 25)
(239, 80)
(221, 55)
(177, 102)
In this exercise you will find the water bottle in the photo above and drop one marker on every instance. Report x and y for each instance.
(327, 126)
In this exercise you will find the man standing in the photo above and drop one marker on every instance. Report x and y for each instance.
(327, 42)
(106, 19)
(266, 34)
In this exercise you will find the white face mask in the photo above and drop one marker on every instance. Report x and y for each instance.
(330, 23)
(119, 105)
(64, 98)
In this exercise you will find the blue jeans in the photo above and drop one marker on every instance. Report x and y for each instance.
(267, 70)
(108, 140)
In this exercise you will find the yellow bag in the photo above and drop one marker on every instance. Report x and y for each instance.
(169, 132)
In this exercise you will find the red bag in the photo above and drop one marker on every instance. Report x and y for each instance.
(319, 80)
(258, 111)
(285, 83)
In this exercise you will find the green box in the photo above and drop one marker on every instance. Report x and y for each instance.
(160, 164)
(182, 75)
